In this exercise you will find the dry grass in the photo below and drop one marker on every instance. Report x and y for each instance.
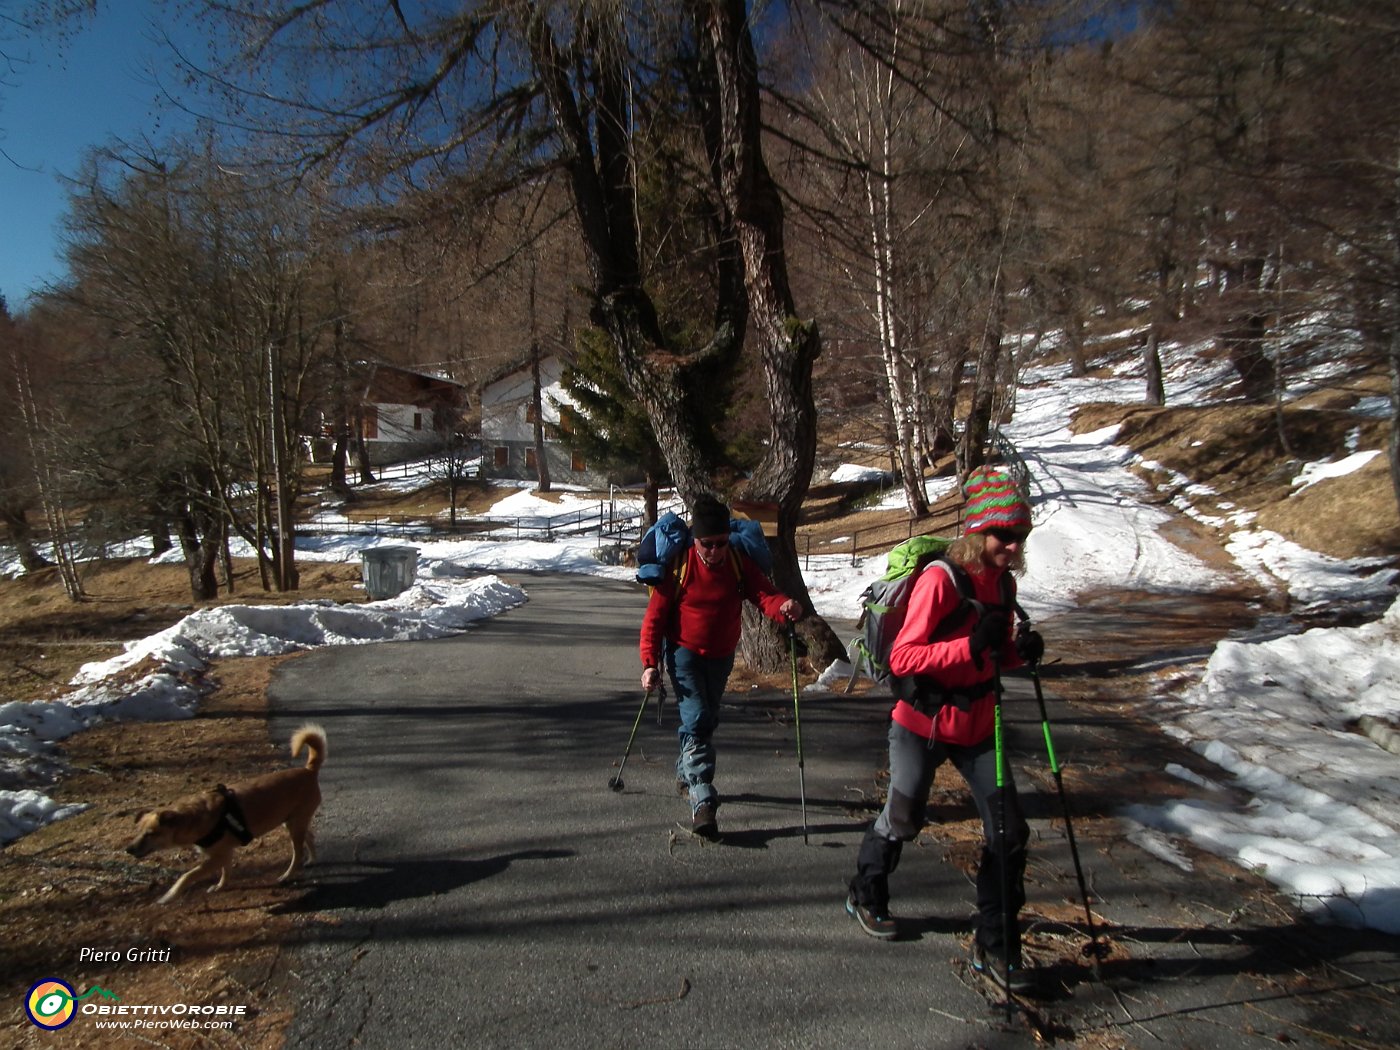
(68, 885)
(1239, 452)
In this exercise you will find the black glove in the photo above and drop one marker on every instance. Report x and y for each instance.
(990, 633)
(1030, 647)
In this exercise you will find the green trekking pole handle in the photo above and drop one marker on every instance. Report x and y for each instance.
(1093, 949)
(797, 724)
(1001, 831)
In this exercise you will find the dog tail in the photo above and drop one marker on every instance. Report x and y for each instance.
(313, 738)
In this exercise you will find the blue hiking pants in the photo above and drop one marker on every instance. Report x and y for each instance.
(699, 683)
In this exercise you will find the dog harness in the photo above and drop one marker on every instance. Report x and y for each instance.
(231, 822)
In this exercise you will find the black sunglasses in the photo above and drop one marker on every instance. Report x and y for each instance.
(713, 545)
(1009, 535)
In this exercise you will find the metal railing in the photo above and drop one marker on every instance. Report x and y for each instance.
(608, 523)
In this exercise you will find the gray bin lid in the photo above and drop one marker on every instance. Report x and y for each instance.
(390, 552)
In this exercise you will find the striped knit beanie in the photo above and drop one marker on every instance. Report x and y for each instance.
(994, 502)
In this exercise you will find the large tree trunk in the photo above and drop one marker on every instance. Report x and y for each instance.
(600, 173)
(788, 346)
(750, 276)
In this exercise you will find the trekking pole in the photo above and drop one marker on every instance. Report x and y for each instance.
(1093, 949)
(616, 782)
(1001, 835)
(797, 722)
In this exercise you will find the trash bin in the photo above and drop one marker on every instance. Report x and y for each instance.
(388, 571)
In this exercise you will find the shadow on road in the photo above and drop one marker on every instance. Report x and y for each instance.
(377, 885)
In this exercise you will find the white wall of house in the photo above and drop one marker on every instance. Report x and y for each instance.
(508, 428)
(505, 404)
(405, 424)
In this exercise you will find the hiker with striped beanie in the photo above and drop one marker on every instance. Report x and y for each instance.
(956, 638)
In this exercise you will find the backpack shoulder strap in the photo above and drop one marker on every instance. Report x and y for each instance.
(961, 580)
(968, 603)
(680, 567)
(1008, 597)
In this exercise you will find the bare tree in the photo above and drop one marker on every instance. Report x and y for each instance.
(573, 89)
(214, 297)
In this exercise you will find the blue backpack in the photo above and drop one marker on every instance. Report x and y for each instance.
(665, 542)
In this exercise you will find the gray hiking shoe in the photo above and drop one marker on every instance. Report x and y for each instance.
(875, 921)
(991, 964)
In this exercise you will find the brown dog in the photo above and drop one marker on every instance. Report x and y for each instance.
(221, 820)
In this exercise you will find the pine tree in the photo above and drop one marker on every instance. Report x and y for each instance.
(605, 423)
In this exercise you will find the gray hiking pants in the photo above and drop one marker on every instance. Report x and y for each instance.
(913, 762)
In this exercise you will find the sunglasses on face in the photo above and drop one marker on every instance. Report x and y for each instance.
(1008, 535)
(713, 545)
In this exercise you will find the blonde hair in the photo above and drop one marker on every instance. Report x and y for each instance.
(967, 550)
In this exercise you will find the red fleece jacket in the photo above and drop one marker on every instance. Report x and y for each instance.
(948, 660)
(705, 617)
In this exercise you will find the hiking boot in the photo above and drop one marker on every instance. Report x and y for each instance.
(703, 823)
(991, 964)
(875, 921)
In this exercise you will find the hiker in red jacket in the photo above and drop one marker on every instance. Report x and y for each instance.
(693, 623)
(945, 660)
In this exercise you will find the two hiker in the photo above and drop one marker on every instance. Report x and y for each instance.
(945, 662)
(692, 625)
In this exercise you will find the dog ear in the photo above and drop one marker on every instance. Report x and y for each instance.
(141, 815)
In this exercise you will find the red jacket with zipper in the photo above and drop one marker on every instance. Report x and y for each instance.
(946, 657)
(705, 616)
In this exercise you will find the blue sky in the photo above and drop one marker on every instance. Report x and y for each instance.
(68, 97)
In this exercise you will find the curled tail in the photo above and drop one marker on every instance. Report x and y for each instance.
(313, 738)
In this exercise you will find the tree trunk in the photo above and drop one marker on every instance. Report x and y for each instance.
(161, 540)
(537, 404)
(1074, 337)
(22, 536)
(339, 458)
(1152, 365)
(362, 463)
(977, 429)
(788, 347)
(945, 406)
(200, 542)
(750, 265)
(1244, 336)
(601, 185)
(1393, 447)
(651, 498)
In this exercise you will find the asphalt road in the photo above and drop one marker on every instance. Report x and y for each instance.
(480, 886)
